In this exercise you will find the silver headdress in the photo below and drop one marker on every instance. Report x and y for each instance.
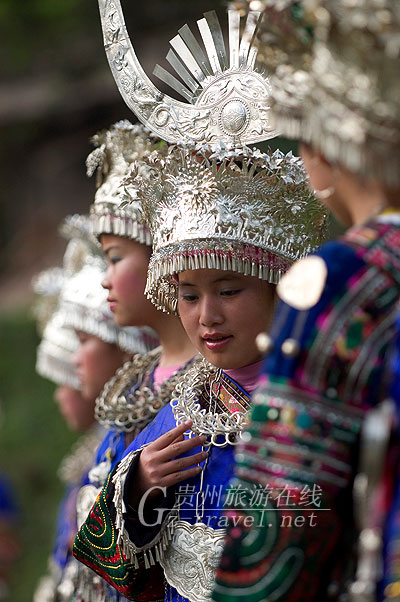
(242, 210)
(217, 204)
(285, 40)
(54, 358)
(116, 149)
(84, 307)
(77, 230)
(47, 286)
(228, 95)
(355, 110)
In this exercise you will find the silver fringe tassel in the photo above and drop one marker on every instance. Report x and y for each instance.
(288, 125)
(79, 317)
(153, 551)
(373, 150)
(161, 289)
(59, 371)
(110, 219)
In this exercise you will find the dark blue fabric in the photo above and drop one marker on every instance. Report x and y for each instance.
(391, 536)
(342, 263)
(392, 527)
(66, 521)
(217, 475)
(114, 441)
(66, 525)
(395, 370)
(8, 504)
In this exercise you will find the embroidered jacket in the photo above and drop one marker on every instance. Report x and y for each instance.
(120, 395)
(180, 540)
(327, 365)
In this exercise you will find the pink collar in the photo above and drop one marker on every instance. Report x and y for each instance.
(247, 377)
(162, 374)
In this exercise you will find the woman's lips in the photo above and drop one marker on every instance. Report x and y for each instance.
(216, 342)
(112, 305)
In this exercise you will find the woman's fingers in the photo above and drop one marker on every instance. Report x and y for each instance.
(180, 438)
(182, 475)
(166, 439)
(182, 463)
(181, 447)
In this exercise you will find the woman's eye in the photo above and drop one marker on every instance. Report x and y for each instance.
(230, 292)
(188, 297)
(115, 259)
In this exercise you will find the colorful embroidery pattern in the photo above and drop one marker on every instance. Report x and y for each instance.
(306, 420)
(96, 545)
(233, 398)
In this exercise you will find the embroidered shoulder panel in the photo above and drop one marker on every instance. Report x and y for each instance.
(97, 546)
(338, 348)
(378, 244)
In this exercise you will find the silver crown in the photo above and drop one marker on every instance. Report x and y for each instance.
(54, 358)
(84, 307)
(228, 94)
(77, 227)
(232, 210)
(285, 40)
(355, 101)
(47, 286)
(116, 148)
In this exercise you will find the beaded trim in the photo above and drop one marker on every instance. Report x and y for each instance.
(81, 457)
(197, 386)
(152, 551)
(109, 218)
(121, 408)
(162, 288)
(340, 415)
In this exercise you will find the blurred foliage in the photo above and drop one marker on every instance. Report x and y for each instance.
(41, 34)
(33, 440)
(31, 28)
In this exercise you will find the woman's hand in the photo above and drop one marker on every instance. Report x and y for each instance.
(160, 466)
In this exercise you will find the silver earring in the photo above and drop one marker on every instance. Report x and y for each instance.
(325, 193)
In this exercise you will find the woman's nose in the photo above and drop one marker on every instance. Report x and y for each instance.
(210, 312)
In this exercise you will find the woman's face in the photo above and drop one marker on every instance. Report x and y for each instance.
(77, 411)
(223, 312)
(325, 178)
(125, 280)
(96, 362)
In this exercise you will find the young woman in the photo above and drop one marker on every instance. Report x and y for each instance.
(138, 390)
(141, 388)
(79, 363)
(126, 243)
(220, 247)
(329, 346)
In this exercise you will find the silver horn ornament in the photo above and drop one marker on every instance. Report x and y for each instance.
(228, 94)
